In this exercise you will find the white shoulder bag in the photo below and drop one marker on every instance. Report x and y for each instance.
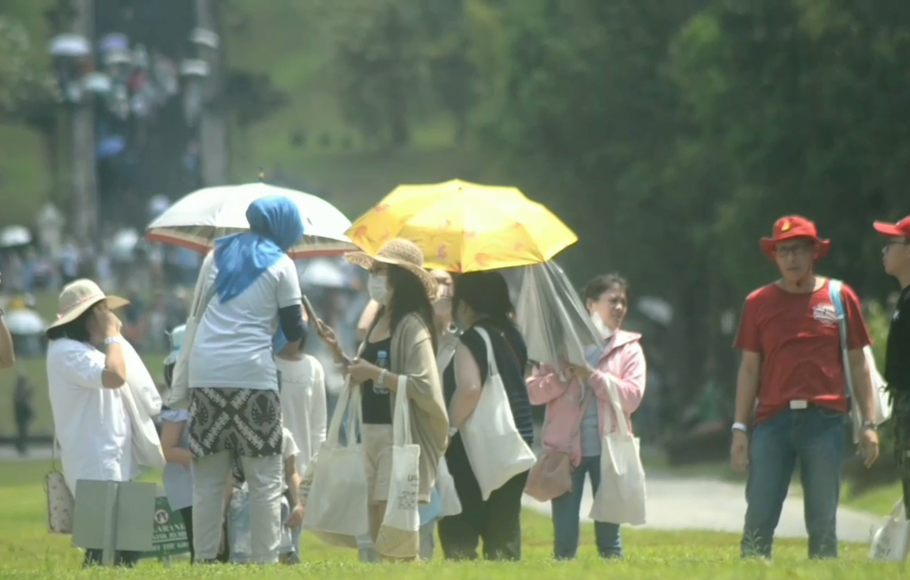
(60, 502)
(494, 447)
(178, 396)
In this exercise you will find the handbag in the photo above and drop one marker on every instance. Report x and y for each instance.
(495, 448)
(621, 496)
(448, 494)
(890, 542)
(335, 485)
(551, 476)
(178, 396)
(60, 502)
(399, 535)
(882, 406)
(140, 382)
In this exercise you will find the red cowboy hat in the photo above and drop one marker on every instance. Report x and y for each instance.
(899, 230)
(792, 227)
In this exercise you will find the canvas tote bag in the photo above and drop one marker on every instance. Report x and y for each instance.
(335, 486)
(178, 397)
(620, 499)
(494, 447)
(60, 502)
(890, 542)
(140, 382)
(399, 535)
(448, 495)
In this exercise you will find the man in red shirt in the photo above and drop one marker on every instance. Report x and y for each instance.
(793, 376)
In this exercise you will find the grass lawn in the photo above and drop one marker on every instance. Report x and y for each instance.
(27, 551)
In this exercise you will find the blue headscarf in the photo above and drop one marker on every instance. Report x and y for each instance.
(275, 226)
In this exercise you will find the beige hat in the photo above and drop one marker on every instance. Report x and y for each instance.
(403, 253)
(79, 296)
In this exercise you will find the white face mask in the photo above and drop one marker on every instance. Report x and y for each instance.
(378, 288)
(605, 331)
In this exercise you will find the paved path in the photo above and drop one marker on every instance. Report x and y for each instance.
(679, 503)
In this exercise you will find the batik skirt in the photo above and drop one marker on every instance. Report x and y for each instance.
(242, 422)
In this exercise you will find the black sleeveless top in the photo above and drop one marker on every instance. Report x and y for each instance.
(511, 360)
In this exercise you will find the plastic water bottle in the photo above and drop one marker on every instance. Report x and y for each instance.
(382, 361)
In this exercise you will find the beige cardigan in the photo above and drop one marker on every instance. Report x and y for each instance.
(411, 354)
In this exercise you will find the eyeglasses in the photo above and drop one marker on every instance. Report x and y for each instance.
(798, 251)
(890, 243)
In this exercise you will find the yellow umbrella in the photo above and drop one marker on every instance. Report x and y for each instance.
(465, 227)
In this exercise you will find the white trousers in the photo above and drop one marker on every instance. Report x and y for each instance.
(264, 479)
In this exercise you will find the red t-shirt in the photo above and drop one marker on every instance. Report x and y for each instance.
(798, 338)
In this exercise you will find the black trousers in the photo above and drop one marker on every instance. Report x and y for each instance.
(126, 559)
(496, 521)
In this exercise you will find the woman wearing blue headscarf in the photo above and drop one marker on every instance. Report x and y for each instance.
(235, 411)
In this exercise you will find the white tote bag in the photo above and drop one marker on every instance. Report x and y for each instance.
(336, 482)
(890, 542)
(178, 396)
(399, 535)
(140, 381)
(621, 497)
(494, 447)
(448, 495)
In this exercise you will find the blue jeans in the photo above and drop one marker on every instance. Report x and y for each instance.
(566, 517)
(816, 437)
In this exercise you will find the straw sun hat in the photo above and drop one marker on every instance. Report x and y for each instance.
(402, 253)
(79, 296)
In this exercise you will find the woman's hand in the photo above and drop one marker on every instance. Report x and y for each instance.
(328, 336)
(295, 520)
(361, 371)
(582, 373)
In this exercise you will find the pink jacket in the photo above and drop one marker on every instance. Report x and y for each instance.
(623, 361)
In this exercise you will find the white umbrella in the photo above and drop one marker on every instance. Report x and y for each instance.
(198, 219)
(69, 45)
(14, 236)
(323, 272)
(25, 322)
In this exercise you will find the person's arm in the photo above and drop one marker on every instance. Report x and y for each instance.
(290, 307)
(419, 364)
(92, 369)
(468, 387)
(629, 384)
(319, 422)
(857, 339)
(295, 518)
(544, 385)
(747, 382)
(7, 355)
(366, 318)
(171, 432)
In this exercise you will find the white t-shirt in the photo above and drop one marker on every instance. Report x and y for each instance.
(303, 405)
(233, 343)
(91, 421)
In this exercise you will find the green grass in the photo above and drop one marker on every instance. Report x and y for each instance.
(28, 551)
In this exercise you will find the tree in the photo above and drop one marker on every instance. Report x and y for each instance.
(22, 80)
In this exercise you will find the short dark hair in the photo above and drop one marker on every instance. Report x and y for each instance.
(487, 293)
(596, 287)
(76, 329)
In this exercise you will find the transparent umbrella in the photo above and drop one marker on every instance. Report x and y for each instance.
(555, 324)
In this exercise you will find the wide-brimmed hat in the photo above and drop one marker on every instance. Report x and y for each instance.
(899, 230)
(79, 296)
(402, 253)
(790, 228)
